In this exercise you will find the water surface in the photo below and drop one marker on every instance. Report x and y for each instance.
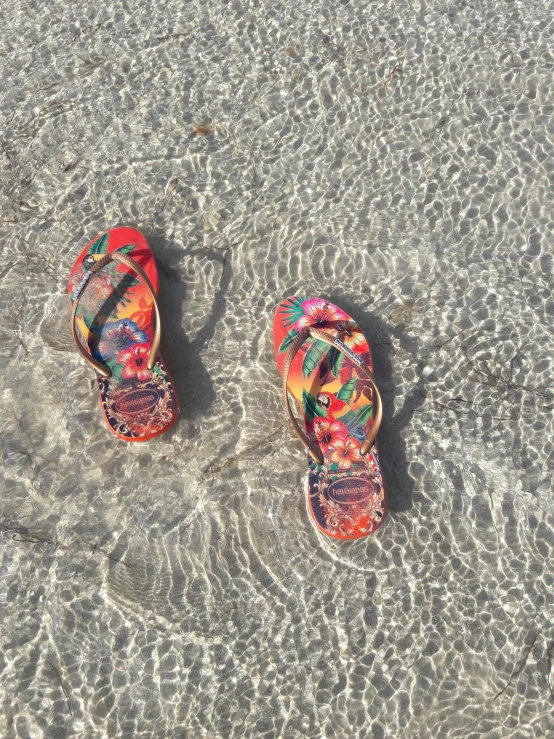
(395, 157)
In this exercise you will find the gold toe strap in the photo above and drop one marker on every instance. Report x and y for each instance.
(329, 338)
(114, 256)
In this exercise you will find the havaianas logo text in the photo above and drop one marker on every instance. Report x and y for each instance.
(136, 402)
(349, 353)
(81, 286)
(342, 490)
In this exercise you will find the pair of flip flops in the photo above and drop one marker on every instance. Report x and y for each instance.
(322, 354)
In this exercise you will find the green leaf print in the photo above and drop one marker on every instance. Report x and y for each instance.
(347, 390)
(292, 310)
(363, 414)
(117, 372)
(100, 246)
(87, 316)
(313, 356)
(334, 361)
(127, 249)
(116, 368)
(287, 341)
(157, 370)
(311, 408)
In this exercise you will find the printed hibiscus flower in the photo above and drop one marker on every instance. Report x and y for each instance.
(344, 452)
(350, 334)
(320, 313)
(135, 362)
(118, 335)
(327, 433)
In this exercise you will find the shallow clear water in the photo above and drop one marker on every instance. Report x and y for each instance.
(395, 157)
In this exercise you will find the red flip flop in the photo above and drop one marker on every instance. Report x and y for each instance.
(326, 365)
(113, 288)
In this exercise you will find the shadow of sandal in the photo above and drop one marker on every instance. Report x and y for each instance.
(191, 380)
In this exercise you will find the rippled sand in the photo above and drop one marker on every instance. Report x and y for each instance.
(395, 157)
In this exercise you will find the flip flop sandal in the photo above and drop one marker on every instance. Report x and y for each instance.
(113, 287)
(326, 365)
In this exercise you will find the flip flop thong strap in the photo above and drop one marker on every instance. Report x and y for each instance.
(114, 256)
(329, 338)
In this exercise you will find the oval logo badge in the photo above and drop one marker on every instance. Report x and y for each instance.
(137, 402)
(351, 490)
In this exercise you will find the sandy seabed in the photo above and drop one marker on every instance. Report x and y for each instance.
(395, 157)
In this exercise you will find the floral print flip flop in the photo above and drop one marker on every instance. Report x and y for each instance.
(115, 322)
(326, 365)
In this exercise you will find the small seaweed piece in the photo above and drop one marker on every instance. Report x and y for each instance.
(203, 129)
(520, 665)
